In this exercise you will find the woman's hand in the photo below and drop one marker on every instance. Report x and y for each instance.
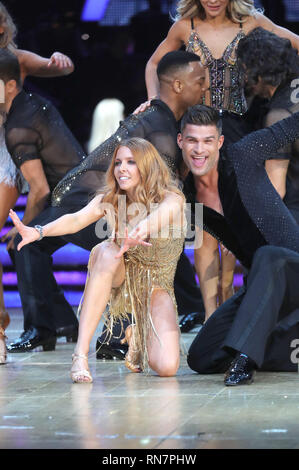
(60, 60)
(144, 105)
(28, 234)
(131, 240)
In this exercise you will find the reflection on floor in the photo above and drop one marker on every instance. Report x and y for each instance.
(41, 408)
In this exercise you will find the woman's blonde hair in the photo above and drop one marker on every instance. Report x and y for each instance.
(155, 177)
(236, 9)
(105, 121)
(7, 38)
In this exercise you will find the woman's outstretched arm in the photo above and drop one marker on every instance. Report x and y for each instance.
(33, 64)
(69, 223)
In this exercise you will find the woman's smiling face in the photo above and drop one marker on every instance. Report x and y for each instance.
(126, 171)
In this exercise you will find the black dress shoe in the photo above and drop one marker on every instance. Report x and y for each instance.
(31, 339)
(189, 321)
(111, 351)
(23, 336)
(70, 332)
(241, 371)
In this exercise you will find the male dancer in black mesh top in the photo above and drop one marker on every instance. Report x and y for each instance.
(181, 79)
(43, 148)
(257, 325)
(271, 68)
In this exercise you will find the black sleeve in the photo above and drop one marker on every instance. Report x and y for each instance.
(259, 146)
(274, 116)
(83, 181)
(259, 197)
(23, 145)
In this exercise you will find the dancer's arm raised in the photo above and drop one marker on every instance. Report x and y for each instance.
(69, 223)
(33, 64)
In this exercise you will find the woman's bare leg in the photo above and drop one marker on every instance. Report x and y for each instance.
(8, 199)
(105, 272)
(207, 265)
(228, 264)
(164, 350)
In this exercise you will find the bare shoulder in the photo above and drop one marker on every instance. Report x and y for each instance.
(180, 29)
(173, 198)
(254, 21)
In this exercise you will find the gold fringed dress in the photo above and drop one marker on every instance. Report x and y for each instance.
(146, 268)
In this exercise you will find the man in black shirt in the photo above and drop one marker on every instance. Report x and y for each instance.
(181, 79)
(42, 147)
(272, 72)
(258, 324)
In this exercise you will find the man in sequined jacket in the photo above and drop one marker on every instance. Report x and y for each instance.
(256, 328)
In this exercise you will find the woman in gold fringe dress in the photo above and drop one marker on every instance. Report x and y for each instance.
(132, 271)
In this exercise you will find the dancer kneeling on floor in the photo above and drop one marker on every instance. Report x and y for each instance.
(134, 269)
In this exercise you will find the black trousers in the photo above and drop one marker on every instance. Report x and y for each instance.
(260, 320)
(43, 301)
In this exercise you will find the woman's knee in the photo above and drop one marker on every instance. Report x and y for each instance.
(103, 258)
(166, 368)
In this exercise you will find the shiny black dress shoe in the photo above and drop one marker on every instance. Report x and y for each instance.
(190, 320)
(111, 351)
(30, 340)
(241, 371)
(70, 332)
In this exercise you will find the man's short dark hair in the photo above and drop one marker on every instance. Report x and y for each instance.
(201, 115)
(264, 54)
(9, 67)
(174, 61)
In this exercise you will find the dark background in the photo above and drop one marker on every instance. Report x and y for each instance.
(109, 60)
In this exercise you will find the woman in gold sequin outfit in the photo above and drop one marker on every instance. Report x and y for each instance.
(134, 269)
(212, 29)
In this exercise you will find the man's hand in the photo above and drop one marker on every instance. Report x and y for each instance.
(131, 240)
(10, 236)
(225, 251)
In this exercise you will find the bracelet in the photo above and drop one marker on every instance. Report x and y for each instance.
(39, 228)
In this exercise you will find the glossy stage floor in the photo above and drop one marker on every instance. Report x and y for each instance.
(41, 409)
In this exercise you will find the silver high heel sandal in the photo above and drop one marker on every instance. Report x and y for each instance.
(82, 376)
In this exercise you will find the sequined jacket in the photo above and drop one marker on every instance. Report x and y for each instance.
(156, 124)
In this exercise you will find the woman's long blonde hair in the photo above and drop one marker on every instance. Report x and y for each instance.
(155, 177)
(236, 10)
(7, 38)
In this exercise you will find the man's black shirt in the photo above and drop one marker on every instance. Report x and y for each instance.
(34, 129)
(283, 104)
(254, 214)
